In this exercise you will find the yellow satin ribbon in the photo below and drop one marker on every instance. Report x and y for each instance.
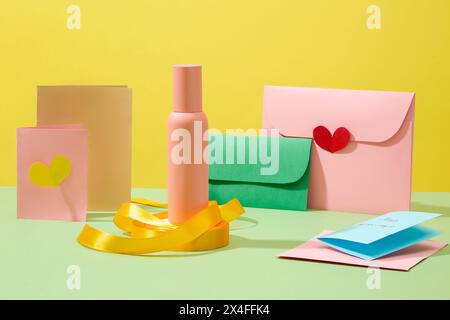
(151, 232)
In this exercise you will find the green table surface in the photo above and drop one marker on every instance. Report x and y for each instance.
(35, 256)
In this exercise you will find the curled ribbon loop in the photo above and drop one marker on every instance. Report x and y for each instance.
(151, 232)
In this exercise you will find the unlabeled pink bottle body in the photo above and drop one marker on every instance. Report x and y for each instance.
(187, 171)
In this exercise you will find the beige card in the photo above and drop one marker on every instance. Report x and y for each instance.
(106, 112)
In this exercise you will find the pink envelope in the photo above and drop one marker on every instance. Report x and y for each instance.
(68, 199)
(403, 260)
(372, 174)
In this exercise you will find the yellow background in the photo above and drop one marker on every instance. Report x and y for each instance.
(243, 45)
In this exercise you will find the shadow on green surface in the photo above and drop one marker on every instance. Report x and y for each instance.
(241, 223)
(100, 216)
(443, 252)
(424, 207)
(236, 242)
(178, 255)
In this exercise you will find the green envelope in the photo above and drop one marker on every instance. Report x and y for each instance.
(285, 188)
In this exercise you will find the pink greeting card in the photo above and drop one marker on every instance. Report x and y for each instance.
(402, 260)
(52, 167)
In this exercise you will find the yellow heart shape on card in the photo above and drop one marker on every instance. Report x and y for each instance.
(45, 176)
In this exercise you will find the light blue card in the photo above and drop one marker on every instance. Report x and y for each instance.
(382, 235)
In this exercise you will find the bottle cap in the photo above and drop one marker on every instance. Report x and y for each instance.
(187, 88)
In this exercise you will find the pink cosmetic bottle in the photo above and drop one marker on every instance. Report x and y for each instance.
(187, 170)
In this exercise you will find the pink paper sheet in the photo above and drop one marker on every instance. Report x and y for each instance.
(402, 260)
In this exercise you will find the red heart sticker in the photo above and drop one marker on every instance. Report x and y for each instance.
(332, 143)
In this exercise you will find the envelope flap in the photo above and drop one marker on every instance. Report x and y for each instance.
(370, 116)
(286, 163)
